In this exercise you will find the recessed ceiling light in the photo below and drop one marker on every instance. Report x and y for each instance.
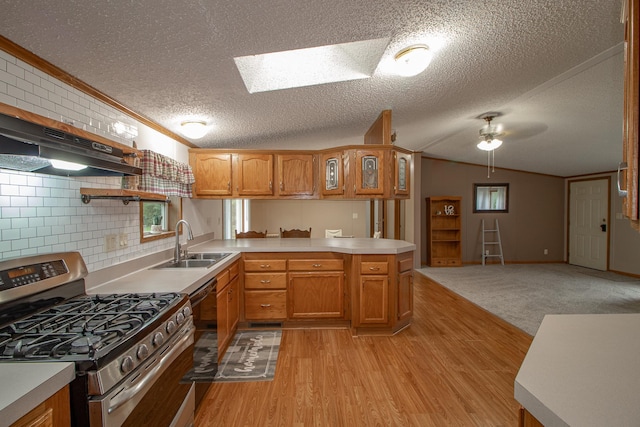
(194, 129)
(312, 66)
(413, 60)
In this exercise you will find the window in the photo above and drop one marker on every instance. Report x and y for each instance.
(236, 216)
(491, 198)
(157, 218)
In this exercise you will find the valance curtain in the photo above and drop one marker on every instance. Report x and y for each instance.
(163, 175)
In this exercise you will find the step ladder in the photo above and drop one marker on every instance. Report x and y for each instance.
(493, 247)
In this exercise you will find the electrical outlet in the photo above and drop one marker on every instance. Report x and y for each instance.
(110, 242)
(546, 251)
(355, 216)
(123, 240)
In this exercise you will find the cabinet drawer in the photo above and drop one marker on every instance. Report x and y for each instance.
(260, 305)
(405, 264)
(316, 264)
(234, 269)
(265, 281)
(222, 279)
(378, 267)
(454, 261)
(265, 265)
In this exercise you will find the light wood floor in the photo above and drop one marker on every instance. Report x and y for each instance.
(454, 366)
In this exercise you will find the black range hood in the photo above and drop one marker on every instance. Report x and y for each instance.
(27, 146)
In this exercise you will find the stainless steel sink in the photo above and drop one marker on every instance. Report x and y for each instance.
(202, 260)
(210, 256)
(188, 263)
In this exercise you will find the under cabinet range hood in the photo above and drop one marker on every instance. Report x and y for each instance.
(30, 147)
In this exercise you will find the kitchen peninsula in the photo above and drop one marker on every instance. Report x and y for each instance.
(361, 283)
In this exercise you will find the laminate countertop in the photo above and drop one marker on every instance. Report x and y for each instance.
(26, 385)
(188, 280)
(583, 370)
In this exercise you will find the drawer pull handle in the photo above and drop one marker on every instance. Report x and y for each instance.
(374, 268)
(317, 265)
(265, 266)
(265, 281)
(265, 305)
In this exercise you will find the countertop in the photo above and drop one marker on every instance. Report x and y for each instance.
(583, 370)
(26, 385)
(188, 280)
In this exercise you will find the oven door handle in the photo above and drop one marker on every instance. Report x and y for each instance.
(150, 377)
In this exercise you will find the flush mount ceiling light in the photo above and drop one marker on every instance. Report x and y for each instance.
(193, 129)
(311, 66)
(489, 141)
(413, 60)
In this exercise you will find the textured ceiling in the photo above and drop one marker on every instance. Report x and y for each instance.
(553, 68)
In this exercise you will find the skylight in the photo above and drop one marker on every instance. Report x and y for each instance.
(312, 66)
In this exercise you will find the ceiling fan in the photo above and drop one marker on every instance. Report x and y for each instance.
(489, 139)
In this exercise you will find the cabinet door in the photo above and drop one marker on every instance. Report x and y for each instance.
(402, 166)
(233, 307)
(296, 174)
(369, 172)
(255, 174)
(630, 112)
(374, 299)
(405, 295)
(212, 174)
(316, 295)
(332, 174)
(223, 315)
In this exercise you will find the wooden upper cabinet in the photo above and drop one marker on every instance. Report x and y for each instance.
(254, 174)
(402, 173)
(629, 181)
(212, 172)
(296, 174)
(369, 172)
(332, 173)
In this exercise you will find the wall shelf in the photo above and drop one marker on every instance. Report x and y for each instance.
(88, 194)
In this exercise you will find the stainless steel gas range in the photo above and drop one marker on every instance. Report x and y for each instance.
(130, 350)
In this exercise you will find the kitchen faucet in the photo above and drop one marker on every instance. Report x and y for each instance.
(177, 255)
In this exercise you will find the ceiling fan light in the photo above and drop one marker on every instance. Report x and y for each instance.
(489, 145)
(194, 129)
(413, 60)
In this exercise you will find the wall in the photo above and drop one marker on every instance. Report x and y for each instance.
(270, 215)
(42, 213)
(535, 220)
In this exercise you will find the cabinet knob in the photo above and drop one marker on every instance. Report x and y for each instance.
(265, 281)
(317, 265)
(265, 266)
(265, 305)
(374, 268)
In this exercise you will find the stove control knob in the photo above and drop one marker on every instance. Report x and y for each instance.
(142, 352)
(127, 365)
(179, 318)
(187, 311)
(171, 327)
(158, 339)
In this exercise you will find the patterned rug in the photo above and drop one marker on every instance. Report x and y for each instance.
(251, 356)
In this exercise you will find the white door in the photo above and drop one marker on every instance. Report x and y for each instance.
(589, 223)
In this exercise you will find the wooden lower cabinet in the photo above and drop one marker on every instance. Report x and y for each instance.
(525, 419)
(370, 293)
(53, 412)
(227, 302)
(316, 295)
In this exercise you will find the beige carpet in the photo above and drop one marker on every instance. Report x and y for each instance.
(523, 294)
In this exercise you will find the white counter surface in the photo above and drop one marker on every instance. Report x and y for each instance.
(26, 385)
(340, 245)
(583, 370)
(188, 280)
